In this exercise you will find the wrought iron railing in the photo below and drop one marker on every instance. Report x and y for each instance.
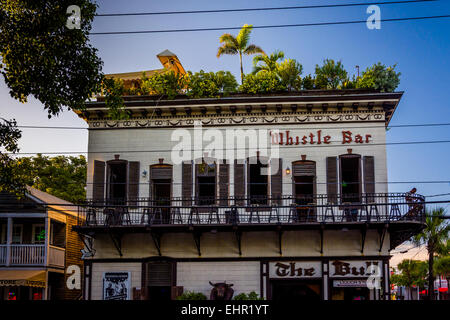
(285, 210)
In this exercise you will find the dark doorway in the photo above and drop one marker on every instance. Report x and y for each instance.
(161, 198)
(304, 196)
(350, 179)
(257, 183)
(309, 290)
(206, 190)
(159, 293)
(117, 182)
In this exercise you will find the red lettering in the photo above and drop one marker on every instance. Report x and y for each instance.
(288, 139)
(326, 139)
(318, 137)
(346, 137)
(297, 140)
(312, 138)
(358, 138)
(304, 140)
(368, 136)
(281, 138)
(274, 138)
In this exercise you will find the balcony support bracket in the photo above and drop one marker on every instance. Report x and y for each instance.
(238, 234)
(197, 236)
(157, 241)
(117, 241)
(363, 237)
(280, 240)
(382, 235)
(322, 227)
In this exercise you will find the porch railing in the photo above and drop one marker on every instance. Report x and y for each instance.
(3, 254)
(379, 207)
(56, 256)
(27, 254)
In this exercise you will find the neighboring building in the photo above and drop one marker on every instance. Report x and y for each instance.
(37, 244)
(310, 230)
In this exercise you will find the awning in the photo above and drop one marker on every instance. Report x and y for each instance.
(28, 278)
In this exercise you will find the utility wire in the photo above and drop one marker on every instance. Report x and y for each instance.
(312, 128)
(261, 9)
(269, 26)
(235, 149)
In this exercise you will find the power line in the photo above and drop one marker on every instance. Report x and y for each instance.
(235, 149)
(261, 9)
(312, 128)
(269, 26)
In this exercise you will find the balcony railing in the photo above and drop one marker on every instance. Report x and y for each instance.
(380, 207)
(31, 255)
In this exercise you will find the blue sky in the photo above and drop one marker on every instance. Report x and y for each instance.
(419, 48)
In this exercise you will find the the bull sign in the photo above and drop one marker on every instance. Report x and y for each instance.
(221, 291)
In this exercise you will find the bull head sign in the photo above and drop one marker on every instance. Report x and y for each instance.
(221, 291)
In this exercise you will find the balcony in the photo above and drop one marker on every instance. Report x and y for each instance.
(31, 255)
(403, 215)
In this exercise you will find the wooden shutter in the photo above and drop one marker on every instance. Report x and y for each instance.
(332, 186)
(98, 188)
(239, 183)
(224, 183)
(187, 183)
(133, 182)
(369, 177)
(304, 169)
(277, 183)
(159, 274)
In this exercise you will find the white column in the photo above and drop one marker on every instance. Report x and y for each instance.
(325, 280)
(9, 230)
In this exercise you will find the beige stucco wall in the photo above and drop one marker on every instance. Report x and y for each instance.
(254, 244)
(195, 276)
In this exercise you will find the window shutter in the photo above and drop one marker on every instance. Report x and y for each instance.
(332, 179)
(98, 190)
(369, 177)
(176, 291)
(133, 182)
(224, 183)
(239, 183)
(277, 183)
(187, 183)
(159, 274)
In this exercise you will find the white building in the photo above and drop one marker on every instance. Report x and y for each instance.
(311, 230)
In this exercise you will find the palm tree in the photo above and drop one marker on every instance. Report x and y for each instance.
(434, 235)
(412, 273)
(268, 63)
(238, 45)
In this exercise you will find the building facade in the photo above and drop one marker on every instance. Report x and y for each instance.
(37, 245)
(285, 195)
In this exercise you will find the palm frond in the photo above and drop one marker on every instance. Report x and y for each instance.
(228, 38)
(244, 36)
(258, 58)
(252, 49)
(226, 48)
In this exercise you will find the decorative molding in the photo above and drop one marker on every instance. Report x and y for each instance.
(239, 119)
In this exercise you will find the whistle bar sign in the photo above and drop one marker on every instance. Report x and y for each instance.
(318, 137)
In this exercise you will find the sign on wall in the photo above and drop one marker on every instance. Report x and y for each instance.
(295, 269)
(349, 283)
(349, 269)
(116, 286)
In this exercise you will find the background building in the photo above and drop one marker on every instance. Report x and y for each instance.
(37, 244)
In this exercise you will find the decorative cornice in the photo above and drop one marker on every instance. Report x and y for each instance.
(230, 119)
